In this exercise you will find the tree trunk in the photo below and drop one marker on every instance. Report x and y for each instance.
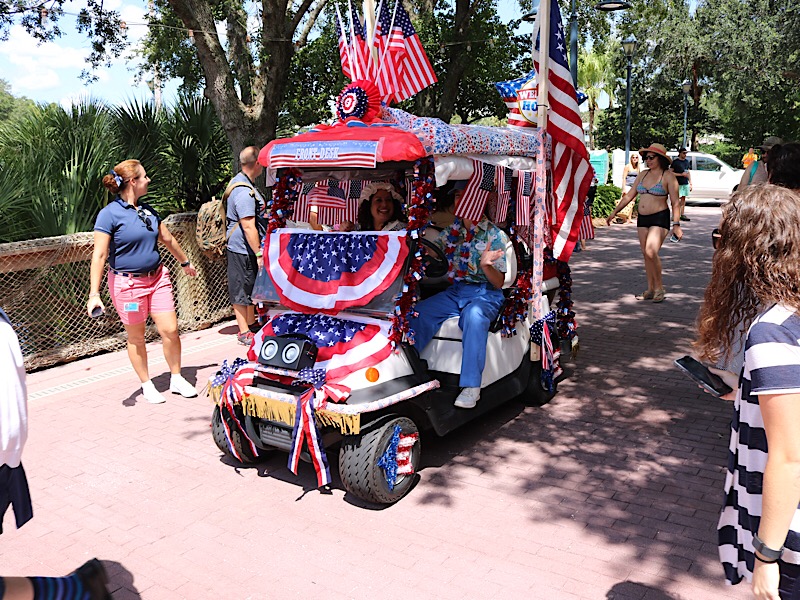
(253, 118)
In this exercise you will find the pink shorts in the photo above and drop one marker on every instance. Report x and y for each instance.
(136, 297)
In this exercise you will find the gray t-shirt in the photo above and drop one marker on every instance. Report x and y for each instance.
(241, 204)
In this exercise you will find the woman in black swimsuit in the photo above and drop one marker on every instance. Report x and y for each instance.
(653, 185)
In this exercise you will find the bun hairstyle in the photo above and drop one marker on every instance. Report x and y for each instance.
(116, 179)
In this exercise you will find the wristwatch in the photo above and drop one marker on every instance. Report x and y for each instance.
(678, 224)
(185, 264)
(765, 550)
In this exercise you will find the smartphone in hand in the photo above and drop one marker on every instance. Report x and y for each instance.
(711, 382)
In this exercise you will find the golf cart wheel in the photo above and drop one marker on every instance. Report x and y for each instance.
(237, 436)
(535, 394)
(358, 463)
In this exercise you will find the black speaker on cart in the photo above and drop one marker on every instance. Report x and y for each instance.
(287, 353)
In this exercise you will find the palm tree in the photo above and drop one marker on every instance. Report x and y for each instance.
(595, 76)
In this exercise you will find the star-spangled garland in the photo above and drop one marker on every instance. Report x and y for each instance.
(566, 316)
(418, 215)
(457, 269)
(516, 308)
(281, 206)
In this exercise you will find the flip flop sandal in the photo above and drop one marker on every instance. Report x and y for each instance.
(660, 295)
(646, 295)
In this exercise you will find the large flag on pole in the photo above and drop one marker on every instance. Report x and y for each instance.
(572, 173)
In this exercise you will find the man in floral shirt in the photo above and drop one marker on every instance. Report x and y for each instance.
(477, 267)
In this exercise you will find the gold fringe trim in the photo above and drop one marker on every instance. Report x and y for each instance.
(283, 412)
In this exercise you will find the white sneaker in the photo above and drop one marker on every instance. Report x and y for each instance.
(178, 385)
(468, 397)
(151, 394)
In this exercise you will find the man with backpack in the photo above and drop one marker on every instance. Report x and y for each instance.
(246, 226)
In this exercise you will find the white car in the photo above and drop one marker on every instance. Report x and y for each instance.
(712, 177)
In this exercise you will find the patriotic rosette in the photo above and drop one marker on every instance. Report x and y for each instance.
(231, 381)
(396, 460)
(316, 272)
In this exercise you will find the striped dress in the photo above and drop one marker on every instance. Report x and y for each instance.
(771, 366)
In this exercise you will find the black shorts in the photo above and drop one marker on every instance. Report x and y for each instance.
(659, 219)
(242, 271)
(14, 492)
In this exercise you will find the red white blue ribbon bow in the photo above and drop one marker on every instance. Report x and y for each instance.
(541, 336)
(305, 427)
(233, 379)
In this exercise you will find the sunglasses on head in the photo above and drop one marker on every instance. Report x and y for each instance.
(144, 218)
(716, 237)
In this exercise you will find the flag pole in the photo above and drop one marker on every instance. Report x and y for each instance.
(354, 42)
(346, 42)
(543, 75)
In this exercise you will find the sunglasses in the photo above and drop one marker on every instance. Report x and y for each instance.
(716, 237)
(649, 156)
(144, 218)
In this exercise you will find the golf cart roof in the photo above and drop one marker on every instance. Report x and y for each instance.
(395, 140)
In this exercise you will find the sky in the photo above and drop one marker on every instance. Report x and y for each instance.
(50, 72)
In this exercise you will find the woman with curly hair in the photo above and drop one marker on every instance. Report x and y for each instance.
(755, 279)
(380, 208)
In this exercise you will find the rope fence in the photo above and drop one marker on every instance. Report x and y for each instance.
(44, 285)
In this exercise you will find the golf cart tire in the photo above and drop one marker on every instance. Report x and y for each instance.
(358, 463)
(237, 438)
(535, 394)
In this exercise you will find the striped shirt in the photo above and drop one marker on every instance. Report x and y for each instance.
(771, 366)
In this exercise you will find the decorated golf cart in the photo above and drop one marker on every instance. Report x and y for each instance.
(334, 367)
(334, 370)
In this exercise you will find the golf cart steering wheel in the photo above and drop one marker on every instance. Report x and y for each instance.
(433, 259)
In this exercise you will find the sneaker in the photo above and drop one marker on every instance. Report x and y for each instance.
(468, 397)
(685, 218)
(246, 338)
(94, 578)
(151, 394)
(178, 385)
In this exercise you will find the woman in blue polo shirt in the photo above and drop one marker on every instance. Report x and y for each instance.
(126, 233)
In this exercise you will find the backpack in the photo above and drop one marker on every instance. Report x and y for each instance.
(212, 222)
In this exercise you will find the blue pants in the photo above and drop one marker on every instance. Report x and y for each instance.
(476, 305)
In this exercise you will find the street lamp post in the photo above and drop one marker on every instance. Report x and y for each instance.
(629, 47)
(687, 87)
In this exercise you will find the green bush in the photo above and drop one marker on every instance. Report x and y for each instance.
(606, 200)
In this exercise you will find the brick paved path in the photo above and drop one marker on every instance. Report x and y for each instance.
(610, 491)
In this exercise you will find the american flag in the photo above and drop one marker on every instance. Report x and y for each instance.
(325, 214)
(411, 66)
(510, 91)
(504, 182)
(330, 193)
(572, 173)
(344, 47)
(476, 194)
(330, 272)
(344, 345)
(389, 55)
(524, 193)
